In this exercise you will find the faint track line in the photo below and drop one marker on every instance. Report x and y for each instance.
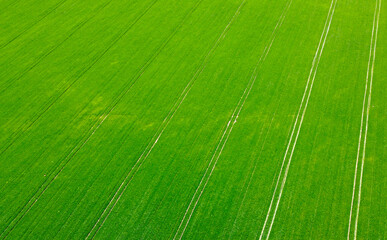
(255, 166)
(103, 117)
(45, 14)
(369, 78)
(112, 203)
(142, 70)
(9, 5)
(111, 193)
(308, 90)
(54, 99)
(25, 209)
(227, 132)
(34, 64)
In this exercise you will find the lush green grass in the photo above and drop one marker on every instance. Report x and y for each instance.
(118, 119)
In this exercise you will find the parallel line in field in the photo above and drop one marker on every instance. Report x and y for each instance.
(62, 164)
(255, 165)
(314, 149)
(104, 116)
(10, 4)
(369, 78)
(227, 132)
(307, 91)
(34, 64)
(55, 98)
(124, 184)
(250, 178)
(48, 12)
(105, 164)
(74, 151)
(249, 181)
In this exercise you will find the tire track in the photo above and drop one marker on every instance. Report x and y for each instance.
(307, 93)
(226, 133)
(72, 32)
(54, 99)
(124, 184)
(9, 5)
(106, 164)
(255, 166)
(45, 14)
(61, 165)
(369, 78)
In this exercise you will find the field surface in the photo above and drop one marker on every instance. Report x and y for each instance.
(194, 119)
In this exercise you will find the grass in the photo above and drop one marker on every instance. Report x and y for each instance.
(118, 119)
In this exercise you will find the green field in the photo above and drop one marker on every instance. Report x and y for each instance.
(194, 119)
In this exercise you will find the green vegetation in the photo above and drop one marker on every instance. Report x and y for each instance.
(195, 119)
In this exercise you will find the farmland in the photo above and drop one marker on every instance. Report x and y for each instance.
(195, 119)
